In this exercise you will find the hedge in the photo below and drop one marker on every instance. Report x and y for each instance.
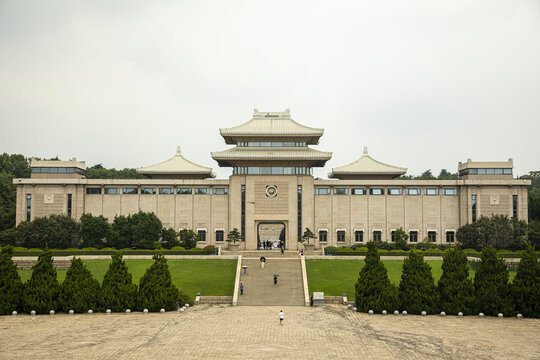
(431, 252)
(36, 252)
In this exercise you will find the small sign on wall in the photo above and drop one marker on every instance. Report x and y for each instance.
(494, 199)
(48, 199)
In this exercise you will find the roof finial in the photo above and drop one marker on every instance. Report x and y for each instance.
(178, 150)
(365, 151)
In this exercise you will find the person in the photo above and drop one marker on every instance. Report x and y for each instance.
(275, 279)
(245, 270)
(280, 317)
(241, 289)
(282, 251)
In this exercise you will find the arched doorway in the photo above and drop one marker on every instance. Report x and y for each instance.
(271, 236)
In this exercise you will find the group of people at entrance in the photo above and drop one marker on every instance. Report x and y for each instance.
(269, 245)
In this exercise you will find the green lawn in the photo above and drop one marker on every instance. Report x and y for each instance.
(335, 277)
(208, 277)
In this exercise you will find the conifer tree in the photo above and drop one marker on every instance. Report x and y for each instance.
(41, 291)
(118, 292)
(417, 291)
(156, 290)
(373, 288)
(79, 291)
(491, 285)
(11, 287)
(526, 285)
(456, 291)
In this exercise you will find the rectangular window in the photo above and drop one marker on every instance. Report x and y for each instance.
(413, 192)
(359, 236)
(243, 210)
(376, 191)
(202, 235)
(393, 236)
(341, 236)
(112, 191)
(395, 191)
(377, 235)
(219, 235)
(450, 236)
(166, 191)
(44, 170)
(70, 170)
(220, 191)
(431, 191)
(202, 191)
(184, 190)
(359, 191)
(323, 236)
(432, 236)
(28, 207)
(507, 171)
(481, 171)
(498, 171)
(449, 191)
(148, 191)
(69, 205)
(515, 206)
(473, 207)
(299, 211)
(36, 170)
(341, 191)
(473, 171)
(490, 171)
(53, 170)
(93, 191)
(130, 191)
(322, 191)
(413, 236)
(62, 170)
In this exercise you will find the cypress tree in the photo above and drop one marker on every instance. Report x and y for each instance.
(456, 291)
(11, 287)
(491, 285)
(41, 291)
(417, 291)
(373, 288)
(118, 292)
(79, 291)
(526, 285)
(156, 290)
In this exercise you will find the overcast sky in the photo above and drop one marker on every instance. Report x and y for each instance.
(423, 84)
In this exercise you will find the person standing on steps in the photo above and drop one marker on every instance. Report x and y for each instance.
(241, 289)
(280, 317)
(275, 279)
(282, 251)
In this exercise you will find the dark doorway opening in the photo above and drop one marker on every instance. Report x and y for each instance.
(271, 236)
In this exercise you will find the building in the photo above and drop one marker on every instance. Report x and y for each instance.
(272, 187)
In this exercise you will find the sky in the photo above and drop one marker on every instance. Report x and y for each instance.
(422, 84)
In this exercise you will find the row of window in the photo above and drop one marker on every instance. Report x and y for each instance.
(220, 235)
(377, 236)
(381, 191)
(272, 144)
(490, 171)
(56, 170)
(276, 170)
(152, 191)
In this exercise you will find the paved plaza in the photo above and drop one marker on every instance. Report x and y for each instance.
(225, 332)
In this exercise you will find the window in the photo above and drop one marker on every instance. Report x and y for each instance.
(69, 204)
(507, 171)
(413, 236)
(70, 170)
(148, 191)
(449, 191)
(413, 192)
(130, 191)
(322, 191)
(341, 191)
(323, 236)
(112, 191)
(431, 191)
(202, 235)
(166, 191)
(243, 210)
(432, 236)
(498, 171)
(28, 207)
(36, 170)
(473, 171)
(515, 206)
(376, 191)
(395, 191)
(62, 170)
(490, 171)
(53, 170)
(359, 236)
(202, 191)
(219, 235)
(275, 170)
(93, 191)
(481, 171)
(377, 235)
(450, 236)
(341, 236)
(220, 191)
(184, 191)
(393, 236)
(359, 191)
(299, 199)
(473, 207)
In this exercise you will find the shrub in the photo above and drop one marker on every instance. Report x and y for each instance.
(11, 287)
(178, 248)
(117, 290)
(417, 291)
(156, 290)
(345, 249)
(456, 291)
(195, 249)
(526, 285)
(330, 249)
(41, 291)
(157, 245)
(169, 238)
(491, 285)
(373, 288)
(94, 230)
(185, 298)
(209, 248)
(90, 249)
(79, 291)
(363, 248)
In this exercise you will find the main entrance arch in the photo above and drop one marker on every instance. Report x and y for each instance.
(271, 235)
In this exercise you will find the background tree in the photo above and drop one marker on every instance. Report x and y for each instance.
(497, 231)
(373, 288)
(400, 238)
(446, 175)
(94, 230)
(234, 236)
(145, 229)
(526, 285)
(491, 285)
(41, 291)
(79, 291)
(99, 172)
(417, 291)
(308, 234)
(156, 290)
(11, 287)
(533, 194)
(118, 292)
(456, 291)
(8, 195)
(169, 238)
(188, 238)
(426, 175)
(533, 233)
(120, 234)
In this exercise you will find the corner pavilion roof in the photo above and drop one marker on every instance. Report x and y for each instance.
(271, 125)
(366, 165)
(177, 165)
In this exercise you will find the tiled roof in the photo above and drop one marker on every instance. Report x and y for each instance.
(176, 165)
(366, 165)
(264, 153)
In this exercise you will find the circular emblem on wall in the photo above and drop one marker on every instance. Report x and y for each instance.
(271, 191)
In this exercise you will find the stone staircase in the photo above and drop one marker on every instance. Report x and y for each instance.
(259, 288)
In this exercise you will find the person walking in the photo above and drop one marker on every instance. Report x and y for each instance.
(280, 317)
(241, 289)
